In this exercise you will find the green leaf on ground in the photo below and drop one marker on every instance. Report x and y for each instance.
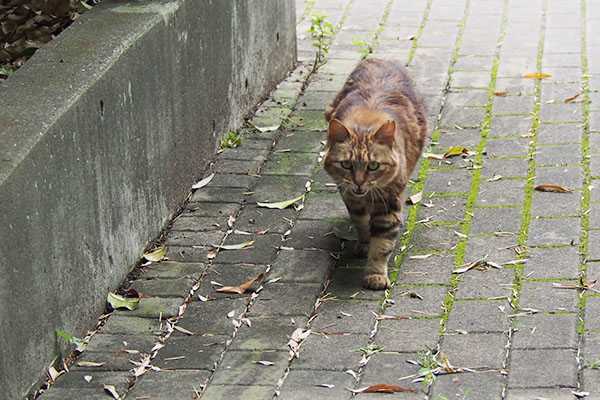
(118, 301)
(79, 343)
(281, 204)
(156, 255)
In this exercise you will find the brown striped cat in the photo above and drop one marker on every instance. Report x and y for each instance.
(377, 128)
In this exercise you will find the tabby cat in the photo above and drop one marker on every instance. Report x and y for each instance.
(377, 128)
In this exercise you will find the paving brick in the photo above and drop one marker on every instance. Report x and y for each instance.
(552, 263)
(501, 192)
(256, 219)
(189, 238)
(301, 164)
(232, 391)
(545, 204)
(513, 104)
(419, 301)
(478, 316)
(594, 245)
(281, 299)
(592, 307)
(212, 209)
(487, 385)
(435, 238)
(541, 296)
(467, 117)
(506, 167)
(507, 147)
(447, 181)
(263, 250)
(275, 188)
(317, 350)
(491, 220)
(553, 231)
(302, 384)
(164, 287)
(550, 394)
(465, 350)
(234, 181)
(543, 331)
(75, 381)
(311, 235)
(346, 316)
(567, 177)
(499, 249)
(408, 336)
(301, 141)
(492, 283)
(243, 368)
(197, 224)
(302, 266)
(468, 138)
(197, 352)
(267, 333)
(443, 208)
(436, 269)
(324, 206)
(525, 369)
(511, 125)
(210, 317)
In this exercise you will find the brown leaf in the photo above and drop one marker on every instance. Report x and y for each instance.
(500, 93)
(570, 99)
(90, 364)
(551, 188)
(537, 76)
(385, 388)
(112, 391)
(240, 288)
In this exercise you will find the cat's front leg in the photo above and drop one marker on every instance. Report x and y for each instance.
(360, 219)
(383, 230)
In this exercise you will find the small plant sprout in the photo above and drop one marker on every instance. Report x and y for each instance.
(428, 362)
(232, 140)
(321, 31)
(366, 45)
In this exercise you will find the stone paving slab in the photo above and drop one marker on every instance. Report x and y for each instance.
(308, 329)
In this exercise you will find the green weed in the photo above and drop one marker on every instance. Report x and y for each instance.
(322, 32)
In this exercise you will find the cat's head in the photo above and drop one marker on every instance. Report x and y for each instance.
(364, 157)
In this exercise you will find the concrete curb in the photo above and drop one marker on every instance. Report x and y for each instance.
(103, 132)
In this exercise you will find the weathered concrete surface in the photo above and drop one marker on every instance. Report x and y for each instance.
(102, 133)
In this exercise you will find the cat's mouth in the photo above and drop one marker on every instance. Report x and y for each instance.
(359, 192)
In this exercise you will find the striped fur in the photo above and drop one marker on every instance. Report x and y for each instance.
(377, 128)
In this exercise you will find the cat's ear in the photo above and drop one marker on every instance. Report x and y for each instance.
(337, 132)
(387, 133)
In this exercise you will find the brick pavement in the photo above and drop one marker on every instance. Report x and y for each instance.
(506, 332)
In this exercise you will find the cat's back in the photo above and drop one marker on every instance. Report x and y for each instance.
(375, 80)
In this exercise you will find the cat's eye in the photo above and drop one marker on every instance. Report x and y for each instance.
(372, 166)
(347, 164)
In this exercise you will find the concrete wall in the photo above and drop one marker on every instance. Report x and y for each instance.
(102, 134)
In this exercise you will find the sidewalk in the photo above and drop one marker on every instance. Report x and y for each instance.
(517, 325)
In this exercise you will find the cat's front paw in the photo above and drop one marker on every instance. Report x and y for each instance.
(361, 249)
(376, 282)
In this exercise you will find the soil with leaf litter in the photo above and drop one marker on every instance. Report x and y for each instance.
(26, 25)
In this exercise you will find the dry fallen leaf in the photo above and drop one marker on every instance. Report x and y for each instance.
(203, 182)
(183, 330)
(265, 363)
(537, 75)
(500, 93)
(238, 246)
(384, 388)
(415, 198)
(551, 188)
(281, 204)
(240, 288)
(112, 391)
(90, 363)
(570, 99)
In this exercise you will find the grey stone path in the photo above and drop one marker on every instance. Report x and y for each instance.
(504, 327)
